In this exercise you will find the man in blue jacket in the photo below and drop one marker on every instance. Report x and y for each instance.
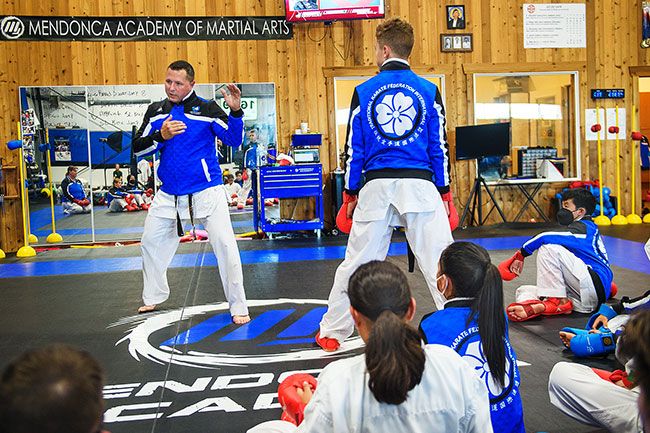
(396, 140)
(183, 129)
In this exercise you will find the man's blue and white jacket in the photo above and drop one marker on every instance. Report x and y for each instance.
(396, 129)
(189, 162)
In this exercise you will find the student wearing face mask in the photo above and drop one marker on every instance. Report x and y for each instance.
(573, 272)
(473, 323)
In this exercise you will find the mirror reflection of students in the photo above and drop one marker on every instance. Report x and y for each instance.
(74, 198)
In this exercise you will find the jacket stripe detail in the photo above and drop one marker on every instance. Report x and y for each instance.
(348, 163)
(206, 170)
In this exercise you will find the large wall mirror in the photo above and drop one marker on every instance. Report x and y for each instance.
(543, 109)
(91, 128)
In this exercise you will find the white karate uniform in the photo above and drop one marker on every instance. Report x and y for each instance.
(449, 398)
(117, 205)
(383, 204)
(583, 395)
(233, 188)
(70, 208)
(160, 241)
(144, 171)
(560, 274)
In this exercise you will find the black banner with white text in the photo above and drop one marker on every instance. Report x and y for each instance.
(35, 28)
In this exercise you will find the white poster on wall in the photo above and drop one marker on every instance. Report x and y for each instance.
(611, 121)
(555, 25)
(591, 119)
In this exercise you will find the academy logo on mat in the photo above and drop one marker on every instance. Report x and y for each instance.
(203, 336)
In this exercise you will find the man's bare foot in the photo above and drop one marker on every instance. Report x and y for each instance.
(523, 312)
(147, 309)
(240, 320)
(566, 338)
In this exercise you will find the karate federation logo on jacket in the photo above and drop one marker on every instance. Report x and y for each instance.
(396, 114)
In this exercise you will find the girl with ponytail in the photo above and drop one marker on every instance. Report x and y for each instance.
(473, 323)
(398, 384)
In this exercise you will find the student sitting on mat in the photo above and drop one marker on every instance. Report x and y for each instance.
(601, 398)
(642, 371)
(119, 200)
(573, 270)
(603, 328)
(473, 323)
(142, 198)
(398, 384)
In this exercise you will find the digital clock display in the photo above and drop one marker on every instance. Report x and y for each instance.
(607, 93)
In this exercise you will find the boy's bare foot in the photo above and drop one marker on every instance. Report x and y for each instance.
(147, 309)
(566, 338)
(240, 320)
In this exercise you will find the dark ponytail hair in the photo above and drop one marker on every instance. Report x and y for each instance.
(474, 276)
(394, 354)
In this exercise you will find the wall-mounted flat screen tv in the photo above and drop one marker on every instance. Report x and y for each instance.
(480, 141)
(333, 10)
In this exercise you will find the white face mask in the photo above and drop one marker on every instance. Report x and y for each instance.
(438, 295)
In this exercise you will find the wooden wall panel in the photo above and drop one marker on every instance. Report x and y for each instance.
(296, 66)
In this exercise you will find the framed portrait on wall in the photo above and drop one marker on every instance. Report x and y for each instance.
(456, 42)
(455, 17)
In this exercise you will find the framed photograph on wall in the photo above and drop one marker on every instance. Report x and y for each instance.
(456, 42)
(455, 17)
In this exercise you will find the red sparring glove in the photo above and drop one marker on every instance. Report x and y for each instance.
(613, 290)
(453, 213)
(85, 202)
(620, 375)
(233, 195)
(636, 136)
(129, 198)
(77, 201)
(149, 192)
(504, 266)
(292, 405)
(342, 221)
